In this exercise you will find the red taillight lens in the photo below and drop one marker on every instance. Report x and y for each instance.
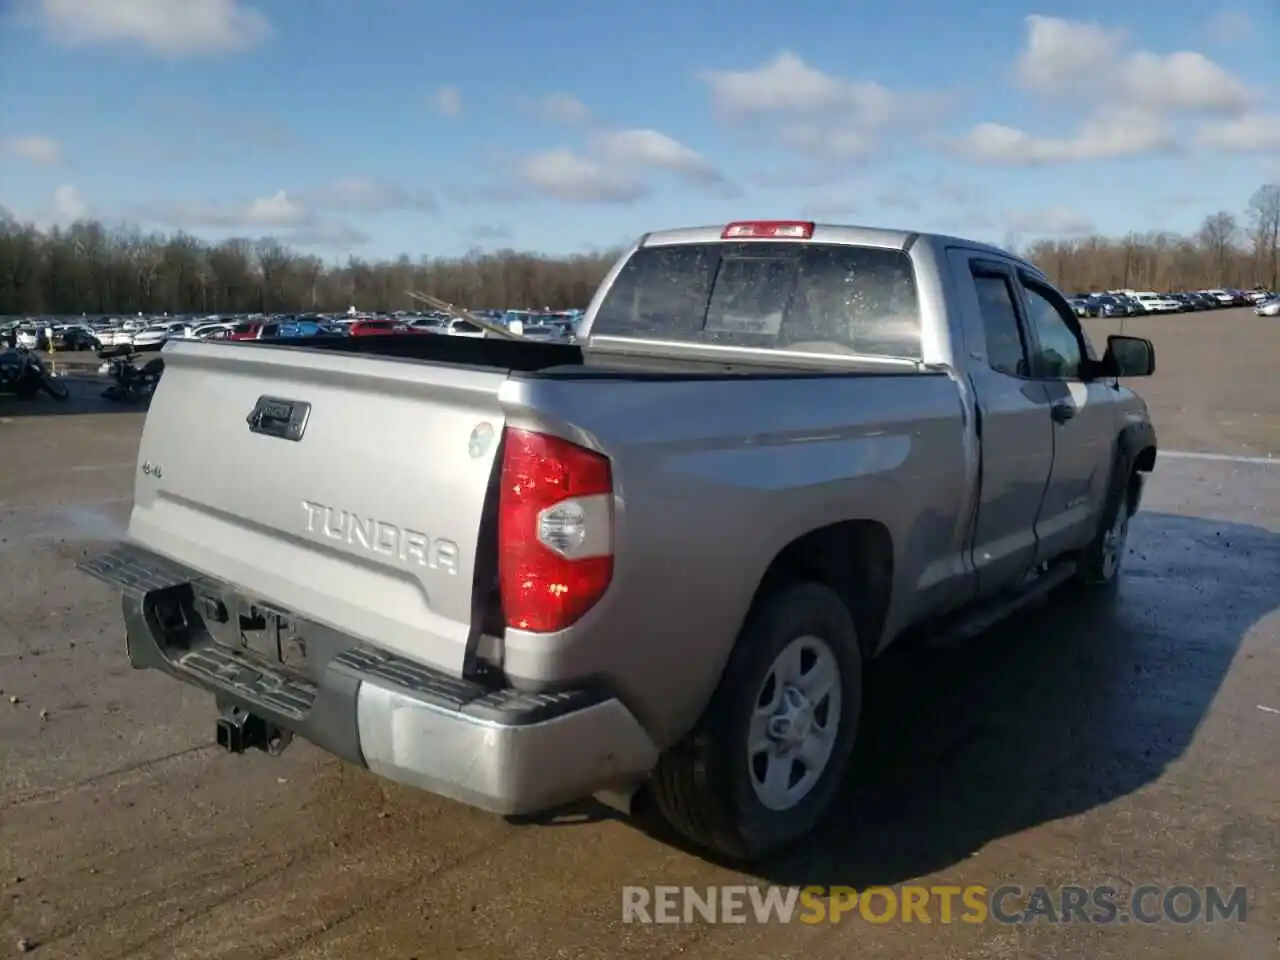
(555, 531)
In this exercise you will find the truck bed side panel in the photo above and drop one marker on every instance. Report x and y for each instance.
(713, 479)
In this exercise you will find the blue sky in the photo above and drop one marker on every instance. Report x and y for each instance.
(382, 127)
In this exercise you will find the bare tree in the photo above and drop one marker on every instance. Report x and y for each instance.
(90, 268)
(1264, 217)
(1218, 237)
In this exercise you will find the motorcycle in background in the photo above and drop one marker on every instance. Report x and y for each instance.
(133, 384)
(23, 374)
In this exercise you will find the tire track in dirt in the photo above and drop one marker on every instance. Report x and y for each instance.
(333, 879)
(46, 794)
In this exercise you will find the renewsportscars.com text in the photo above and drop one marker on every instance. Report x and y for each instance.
(1146, 904)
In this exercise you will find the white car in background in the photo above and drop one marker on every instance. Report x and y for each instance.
(114, 336)
(1155, 303)
(158, 333)
(1268, 308)
(218, 330)
(463, 328)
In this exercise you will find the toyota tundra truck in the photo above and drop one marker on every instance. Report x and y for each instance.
(521, 574)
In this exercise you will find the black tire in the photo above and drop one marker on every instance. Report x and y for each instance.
(55, 388)
(703, 785)
(1100, 563)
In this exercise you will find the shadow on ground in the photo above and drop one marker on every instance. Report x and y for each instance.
(86, 397)
(1066, 707)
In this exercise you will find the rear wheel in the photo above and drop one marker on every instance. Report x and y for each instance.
(54, 387)
(765, 760)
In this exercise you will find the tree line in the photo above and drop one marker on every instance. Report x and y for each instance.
(92, 268)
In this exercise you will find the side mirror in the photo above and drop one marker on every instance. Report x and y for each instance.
(1128, 357)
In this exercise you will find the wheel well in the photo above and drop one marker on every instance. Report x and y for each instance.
(1145, 461)
(855, 559)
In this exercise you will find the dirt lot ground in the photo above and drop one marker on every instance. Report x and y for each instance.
(1119, 743)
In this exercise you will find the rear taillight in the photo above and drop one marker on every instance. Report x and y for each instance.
(555, 531)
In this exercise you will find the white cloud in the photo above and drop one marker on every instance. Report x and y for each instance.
(329, 234)
(65, 207)
(361, 195)
(1182, 81)
(564, 175)
(310, 216)
(484, 233)
(649, 149)
(787, 83)
(36, 148)
(614, 166)
(562, 108)
(1057, 221)
(164, 27)
(1066, 59)
(1249, 133)
(68, 204)
(1132, 99)
(309, 208)
(812, 112)
(1060, 54)
(447, 101)
(1109, 133)
(827, 140)
(272, 212)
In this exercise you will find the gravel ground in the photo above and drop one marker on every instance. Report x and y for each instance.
(1109, 743)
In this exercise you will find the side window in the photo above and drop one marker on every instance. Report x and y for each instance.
(1005, 350)
(1058, 353)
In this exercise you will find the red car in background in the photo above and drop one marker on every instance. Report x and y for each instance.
(372, 328)
(253, 330)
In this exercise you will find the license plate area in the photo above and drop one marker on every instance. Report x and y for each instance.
(255, 628)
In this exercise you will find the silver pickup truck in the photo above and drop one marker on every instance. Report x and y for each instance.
(521, 574)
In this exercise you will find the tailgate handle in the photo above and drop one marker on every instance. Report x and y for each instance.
(276, 417)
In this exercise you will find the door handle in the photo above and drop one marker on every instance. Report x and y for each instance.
(1063, 411)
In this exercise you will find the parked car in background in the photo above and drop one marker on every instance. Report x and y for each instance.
(464, 328)
(373, 328)
(1268, 308)
(254, 330)
(1156, 302)
(78, 337)
(432, 324)
(1109, 306)
(302, 328)
(154, 336)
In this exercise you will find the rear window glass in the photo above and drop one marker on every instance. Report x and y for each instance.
(822, 298)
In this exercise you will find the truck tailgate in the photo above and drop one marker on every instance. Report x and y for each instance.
(361, 511)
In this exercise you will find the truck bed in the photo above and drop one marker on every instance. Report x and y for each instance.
(379, 521)
(571, 360)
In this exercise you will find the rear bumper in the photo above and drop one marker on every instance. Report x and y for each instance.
(497, 749)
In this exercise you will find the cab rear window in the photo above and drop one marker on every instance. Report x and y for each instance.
(798, 296)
